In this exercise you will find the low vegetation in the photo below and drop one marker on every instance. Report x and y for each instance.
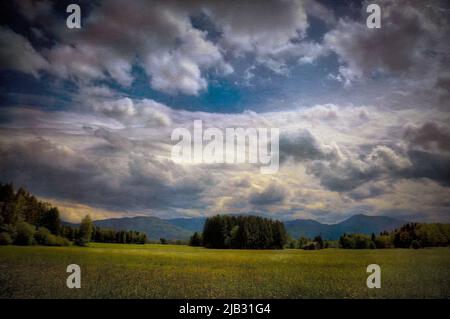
(176, 271)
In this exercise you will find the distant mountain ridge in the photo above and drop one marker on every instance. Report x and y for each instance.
(183, 228)
(362, 224)
(154, 227)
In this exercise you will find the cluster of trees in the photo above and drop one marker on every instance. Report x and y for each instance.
(311, 243)
(165, 241)
(411, 235)
(24, 220)
(102, 235)
(358, 241)
(241, 232)
(418, 235)
(252, 232)
(88, 232)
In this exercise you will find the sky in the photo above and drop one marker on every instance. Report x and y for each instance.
(86, 114)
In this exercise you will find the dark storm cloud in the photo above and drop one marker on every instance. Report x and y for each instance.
(301, 146)
(56, 171)
(341, 177)
(428, 165)
(358, 171)
(357, 175)
(428, 136)
(271, 195)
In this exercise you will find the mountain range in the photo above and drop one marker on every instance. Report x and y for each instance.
(361, 224)
(183, 228)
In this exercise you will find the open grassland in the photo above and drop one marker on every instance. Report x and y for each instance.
(165, 271)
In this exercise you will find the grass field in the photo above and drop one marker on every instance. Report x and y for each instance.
(165, 271)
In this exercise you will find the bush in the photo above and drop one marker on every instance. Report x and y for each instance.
(25, 234)
(41, 236)
(57, 241)
(384, 241)
(81, 242)
(44, 237)
(5, 239)
(415, 244)
(311, 246)
(356, 241)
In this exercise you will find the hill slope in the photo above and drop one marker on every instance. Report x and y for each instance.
(194, 224)
(183, 228)
(154, 227)
(356, 224)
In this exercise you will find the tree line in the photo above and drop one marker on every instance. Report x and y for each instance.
(252, 232)
(88, 232)
(241, 232)
(24, 220)
(410, 235)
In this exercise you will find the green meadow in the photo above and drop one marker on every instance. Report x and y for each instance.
(166, 271)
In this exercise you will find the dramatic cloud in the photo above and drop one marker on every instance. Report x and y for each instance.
(347, 173)
(17, 53)
(161, 38)
(302, 146)
(55, 170)
(273, 194)
(157, 36)
(412, 38)
(430, 135)
(429, 165)
(87, 114)
(263, 27)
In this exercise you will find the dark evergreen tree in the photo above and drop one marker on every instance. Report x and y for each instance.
(85, 231)
(243, 232)
(195, 240)
(51, 220)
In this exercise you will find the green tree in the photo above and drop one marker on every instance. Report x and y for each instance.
(42, 235)
(51, 221)
(24, 234)
(384, 241)
(302, 241)
(85, 231)
(195, 240)
(415, 244)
